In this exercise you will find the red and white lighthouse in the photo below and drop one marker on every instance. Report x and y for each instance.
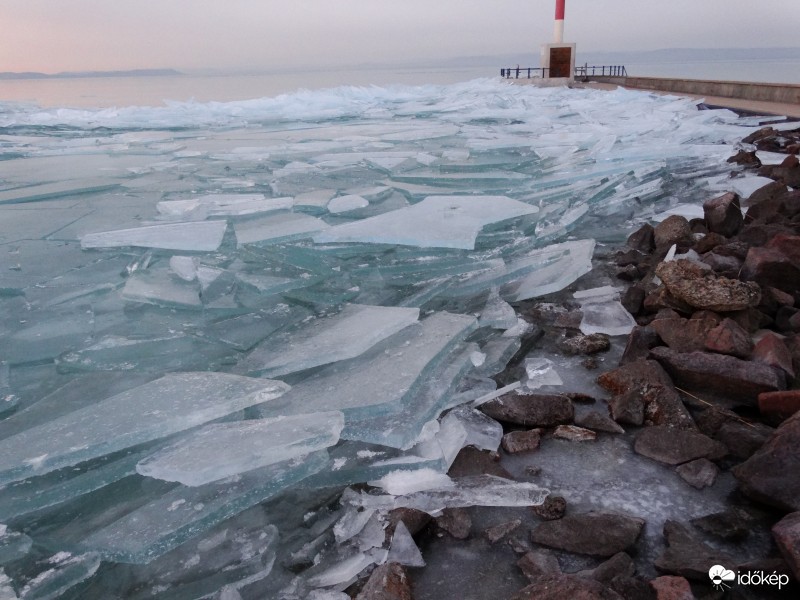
(558, 37)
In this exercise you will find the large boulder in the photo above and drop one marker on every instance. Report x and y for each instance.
(685, 335)
(729, 338)
(787, 536)
(770, 266)
(672, 230)
(718, 375)
(688, 556)
(772, 475)
(596, 534)
(530, 410)
(704, 290)
(643, 394)
(723, 214)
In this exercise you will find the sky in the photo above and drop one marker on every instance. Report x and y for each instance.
(78, 35)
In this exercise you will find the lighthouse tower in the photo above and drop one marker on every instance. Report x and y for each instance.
(558, 58)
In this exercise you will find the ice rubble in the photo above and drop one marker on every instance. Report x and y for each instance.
(361, 243)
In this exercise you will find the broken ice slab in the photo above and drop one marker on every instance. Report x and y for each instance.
(401, 428)
(343, 572)
(171, 352)
(498, 352)
(245, 331)
(315, 201)
(173, 403)
(436, 222)
(482, 432)
(47, 336)
(221, 450)
(497, 313)
(403, 550)
(343, 204)
(186, 512)
(481, 490)
(540, 372)
(161, 289)
(378, 381)
(603, 313)
(13, 545)
(541, 271)
(222, 205)
(197, 236)
(345, 335)
(184, 267)
(278, 228)
(64, 572)
(58, 189)
(23, 497)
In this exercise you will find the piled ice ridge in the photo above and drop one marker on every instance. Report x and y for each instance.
(362, 245)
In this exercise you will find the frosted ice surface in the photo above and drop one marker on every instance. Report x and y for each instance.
(378, 381)
(222, 205)
(481, 490)
(345, 335)
(690, 211)
(186, 512)
(223, 449)
(13, 545)
(351, 524)
(541, 372)
(277, 228)
(403, 482)
(314, 201)
(744, 185)
(403, 549)
(200, 236)
(184, 267)
(346, 570)
(6, 590)
(343, 204)
(498, 352)
(437, 221)
(603, 313)
(47, 191)
(65, 571)
(167, 405)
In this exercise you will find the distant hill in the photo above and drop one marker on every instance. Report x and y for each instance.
(84, 74)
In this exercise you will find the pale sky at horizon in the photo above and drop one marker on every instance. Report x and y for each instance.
(76, 35)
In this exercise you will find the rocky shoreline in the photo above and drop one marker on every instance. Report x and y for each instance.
(707, 388)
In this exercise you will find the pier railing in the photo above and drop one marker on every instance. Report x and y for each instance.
(582, 71)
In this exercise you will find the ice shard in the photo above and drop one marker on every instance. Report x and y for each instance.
(154, 410)
(436, 222)
(345, 335)
(221, 450)
(403, 549)
(603, 313)
(222, 205)
(200, 236)
(278, 228)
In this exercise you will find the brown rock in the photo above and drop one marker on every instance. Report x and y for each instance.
(660, 298)
(640, 341)
(645, 383)
(771, 267)
(537, 564)
(713, 375)
(521, 441)
(723, 214)
(770, 350)
(643, 239)
(551, 509)
(672, 230)
(787, 535)
(772, 475)
(632, 588)
(471, 461)
(530, 410)
(760, 135)
(729, 338)
(708, 242)
(633, 299)
(697, 287)
(456, 522)
(597, 534)
(566, 587)
(670, 587)
(574, 434)
(388, 582)
(585, 344)
(685, 335)
(414, 520)
(619, 565)
(688, 556)
(743, 439)
(497, 532)
(673, 446)
(727, 266)
(731, 525)
(700, 473)
(781, 404)
(745, 158)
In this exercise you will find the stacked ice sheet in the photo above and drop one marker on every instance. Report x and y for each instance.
(215, 317)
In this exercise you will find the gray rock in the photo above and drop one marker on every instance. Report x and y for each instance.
(621, 564)
(521, 441)
(700, 473)
(672, 230)
(673, 446)
(772, 475)
(688, 556)
(537, 564)
(729, 338)
(530, 410)
(585, 344)
(787, 536)
(597, 534)
(456, 522)
(497, 532)
(598, 422)
(723, 214)
(643, 239)
(732, 525)
(702, 289)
